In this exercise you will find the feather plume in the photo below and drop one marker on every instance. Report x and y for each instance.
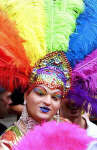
(86, 71)
(14, 65)
(55, 136)
(84, 40)
(61, 22)
(45, 24)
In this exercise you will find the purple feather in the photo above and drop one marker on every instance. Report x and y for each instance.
(86, 71)
(81, 98)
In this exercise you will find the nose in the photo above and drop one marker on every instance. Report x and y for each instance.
(9, 101)
(48, 100)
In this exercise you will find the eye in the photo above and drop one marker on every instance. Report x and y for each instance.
(40, 91)
(9, 96)
(57, 97)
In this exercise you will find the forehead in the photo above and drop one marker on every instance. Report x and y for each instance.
(48, 89)
(68, 100)
(6, 93)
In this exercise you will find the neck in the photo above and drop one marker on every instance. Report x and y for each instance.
(26, 122)
(80, 121)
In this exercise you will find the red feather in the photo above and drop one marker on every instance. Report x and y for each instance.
(14, 64)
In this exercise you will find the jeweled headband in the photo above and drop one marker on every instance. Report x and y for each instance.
(53, 71)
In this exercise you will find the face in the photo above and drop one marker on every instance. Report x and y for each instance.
(70, 110)
(5, 101)
(43, 103)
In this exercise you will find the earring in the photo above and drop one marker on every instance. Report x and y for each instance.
(24, 102)
(58, 116)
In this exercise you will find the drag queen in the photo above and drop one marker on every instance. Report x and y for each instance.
(45, 83)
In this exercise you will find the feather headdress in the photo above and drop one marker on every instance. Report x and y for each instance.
(53, 64)
(61, 136)
(45, 25)
(59, 29)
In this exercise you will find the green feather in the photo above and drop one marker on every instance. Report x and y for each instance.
(61, 18)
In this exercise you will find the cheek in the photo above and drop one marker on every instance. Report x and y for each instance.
(30, 101)
(56, 105)
(33, 99)
(5, 100)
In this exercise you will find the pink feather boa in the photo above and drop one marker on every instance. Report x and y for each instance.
(55, 136)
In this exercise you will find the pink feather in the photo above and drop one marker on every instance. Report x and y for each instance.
(87, 71)
(55, 136)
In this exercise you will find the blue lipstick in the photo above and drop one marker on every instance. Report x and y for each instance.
(44, 109)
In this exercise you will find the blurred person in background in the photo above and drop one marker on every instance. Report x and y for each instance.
(5, 101)
(76, 103)
(17, 104)
(14, 108)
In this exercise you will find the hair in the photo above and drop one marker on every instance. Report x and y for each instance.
(2, 90)
(81, 97)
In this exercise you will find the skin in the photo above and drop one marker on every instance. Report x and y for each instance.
(5, 101)
(17, 109)
(42, 96)
(72, 112)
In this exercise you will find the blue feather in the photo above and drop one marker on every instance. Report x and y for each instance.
(84, 40)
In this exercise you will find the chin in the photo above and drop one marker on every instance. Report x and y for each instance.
(45, 117)
(74, 116)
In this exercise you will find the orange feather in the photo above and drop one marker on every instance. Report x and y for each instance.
(14, 64)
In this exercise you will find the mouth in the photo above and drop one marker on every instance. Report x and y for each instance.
(44, 109)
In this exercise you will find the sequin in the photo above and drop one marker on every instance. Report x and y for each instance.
(54, 71)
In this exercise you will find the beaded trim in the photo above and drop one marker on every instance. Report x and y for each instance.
(26, 122)
(54, 71)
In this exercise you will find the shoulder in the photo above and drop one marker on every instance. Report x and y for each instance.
(11, 133)
(91, 128)
(10, 137)
(92, 146)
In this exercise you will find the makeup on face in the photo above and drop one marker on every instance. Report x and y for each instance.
(42, 102)
(57, 96)
(42, 91)
(44, 109)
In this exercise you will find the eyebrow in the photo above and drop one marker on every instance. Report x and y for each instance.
(39, 88)
(58, 90)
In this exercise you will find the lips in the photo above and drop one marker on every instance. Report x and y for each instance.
(44, 109)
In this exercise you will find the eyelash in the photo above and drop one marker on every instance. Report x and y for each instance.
(56, 98)
(39, 92)
(53, 97)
